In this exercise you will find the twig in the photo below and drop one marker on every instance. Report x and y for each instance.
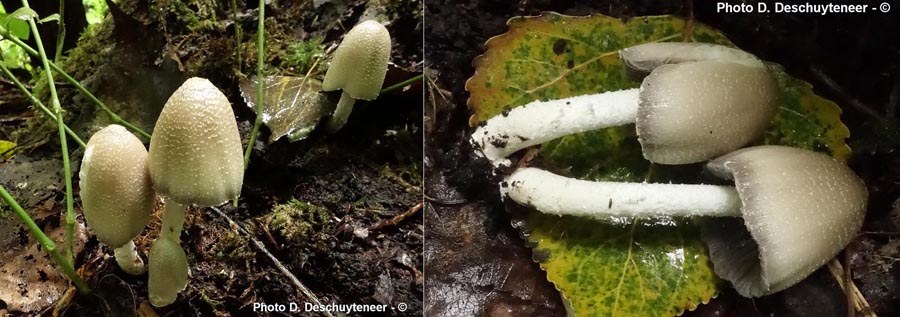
(402, 84)
(37, 103)
(265, 230)
(396, 219)
(824, 78)
(262, 248)
(260, 61)
(112, 115)
(859, 302)
(237, 35)
(47, 243)
(64, 148)
(60, 31)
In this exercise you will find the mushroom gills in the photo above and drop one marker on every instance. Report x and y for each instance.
(799, 209)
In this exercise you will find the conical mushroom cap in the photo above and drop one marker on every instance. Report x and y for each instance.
(168, 272)
(360, 62)
(195, 152)
(692, 112)
(800, 207)
(116, 192)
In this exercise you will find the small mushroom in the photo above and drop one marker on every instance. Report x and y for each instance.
(358, 68)
(195, 158)
(116, 192)
(799, 207)
(684, 113)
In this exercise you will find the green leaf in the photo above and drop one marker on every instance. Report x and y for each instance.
(24, 14)
(52, 17)
(627, 268)
(14, 26)
(7, 149)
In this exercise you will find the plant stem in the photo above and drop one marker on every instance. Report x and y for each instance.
(237, 35)
(118, 120)
(48, 244)
(60, 31)
(402, 84)
(67, 170)
(260, 41)
(37, 103)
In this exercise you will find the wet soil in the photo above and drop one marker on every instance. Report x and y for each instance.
(851, 59)
(322, 206)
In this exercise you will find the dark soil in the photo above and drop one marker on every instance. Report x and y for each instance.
(310, 202)
(851, 59)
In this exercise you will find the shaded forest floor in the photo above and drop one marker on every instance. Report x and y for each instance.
(323, 206)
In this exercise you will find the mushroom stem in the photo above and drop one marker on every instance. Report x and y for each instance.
(542, 121)
(129, 260)
(554, 194)
(173, 220)
(341, 113)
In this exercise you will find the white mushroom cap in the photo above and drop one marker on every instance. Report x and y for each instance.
(116, 192)
(360, 62)
(800, 207)
(691, 112)
(195, 152)
(169, 271)
(645, 58)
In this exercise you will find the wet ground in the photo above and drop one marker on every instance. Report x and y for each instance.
(341, 212)
(480, 265)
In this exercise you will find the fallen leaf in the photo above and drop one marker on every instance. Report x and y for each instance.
(630, 268)
(293, 105)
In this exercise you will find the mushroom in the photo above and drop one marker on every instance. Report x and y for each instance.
(116, 192)
(799, 208)
(358, 68)
(715, 100)
(195, 158)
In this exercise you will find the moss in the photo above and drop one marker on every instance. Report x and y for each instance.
(300, 55)
(232, 246)
(299, 223)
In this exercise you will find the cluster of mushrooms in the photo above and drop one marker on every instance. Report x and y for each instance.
(698, 102)
(194, 158)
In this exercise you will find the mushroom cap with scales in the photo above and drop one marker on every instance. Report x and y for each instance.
(195, 152)
(360, 62)
(116, 191)
(800, 208)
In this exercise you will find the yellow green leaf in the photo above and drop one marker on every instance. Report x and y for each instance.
(7, 149)
(642, 268)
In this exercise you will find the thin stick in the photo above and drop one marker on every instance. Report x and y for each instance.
(47, 243)
(397, 219)
(260, 41)
(402, 84)
(37, 103)
(859, 302)
(237, 35)
(60, 31)
(262, 248)
(112, 115)
(67, 170)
